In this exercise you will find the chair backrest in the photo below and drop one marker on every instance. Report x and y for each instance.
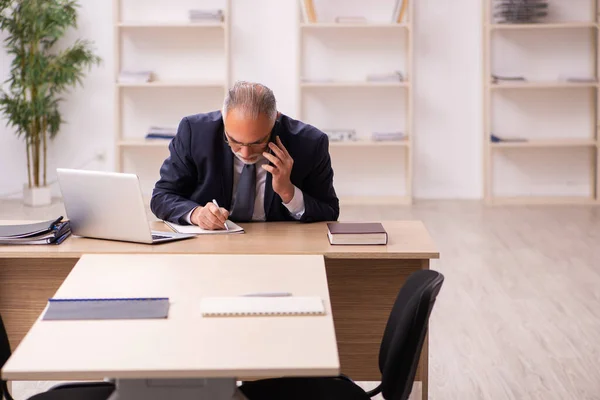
(405, 333)
(4, 356)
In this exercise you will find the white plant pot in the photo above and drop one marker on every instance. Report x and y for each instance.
(37, 196)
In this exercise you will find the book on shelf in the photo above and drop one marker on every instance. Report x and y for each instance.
(309, 13)
(577, 78)
(340, 135)
(157, 132)
(520, 12)
(498, 139)
(356, 233)
(498, 79)
(201, 15)
(135, 76)
(392, 136)
(350, 20)
(53, 231)
(395, 76)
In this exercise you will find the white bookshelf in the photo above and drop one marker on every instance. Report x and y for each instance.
(340, 25)
(389, 163)
(535, 26)
(172, 84)
(582, 140)
(169, 87)
(351, 84)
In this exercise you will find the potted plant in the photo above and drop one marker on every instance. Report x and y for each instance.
(40, 73)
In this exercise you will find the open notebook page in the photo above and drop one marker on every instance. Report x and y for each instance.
(233, 228)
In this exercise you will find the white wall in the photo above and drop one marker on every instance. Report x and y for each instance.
(88, 111)
(447, 92)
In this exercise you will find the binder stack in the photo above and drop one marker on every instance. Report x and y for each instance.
(53, 231)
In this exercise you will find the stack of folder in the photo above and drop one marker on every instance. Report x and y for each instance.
(53, 231)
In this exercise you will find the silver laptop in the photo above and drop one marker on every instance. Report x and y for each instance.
(108, 205)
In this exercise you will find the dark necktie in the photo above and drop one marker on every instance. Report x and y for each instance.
(243, 208)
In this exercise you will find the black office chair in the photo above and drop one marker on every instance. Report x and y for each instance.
(398, 356)
(67, 391)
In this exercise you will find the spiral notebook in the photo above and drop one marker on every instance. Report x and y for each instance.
(261, 306)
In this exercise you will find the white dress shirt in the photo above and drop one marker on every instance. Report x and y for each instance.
(295, 206)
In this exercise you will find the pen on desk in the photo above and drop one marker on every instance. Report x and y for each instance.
(268, 294)
(217, 204)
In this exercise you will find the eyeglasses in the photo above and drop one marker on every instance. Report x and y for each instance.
(255, 145)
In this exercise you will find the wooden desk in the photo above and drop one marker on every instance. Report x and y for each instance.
(363, 280)
(185, 345)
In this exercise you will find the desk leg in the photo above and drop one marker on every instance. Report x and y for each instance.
(25, 286)
(175, 389)
(362, 293)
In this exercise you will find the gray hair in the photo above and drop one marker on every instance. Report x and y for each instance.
(252, 99)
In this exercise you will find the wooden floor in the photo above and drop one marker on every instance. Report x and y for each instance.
(519, 314)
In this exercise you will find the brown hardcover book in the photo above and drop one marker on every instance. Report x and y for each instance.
(356, 233)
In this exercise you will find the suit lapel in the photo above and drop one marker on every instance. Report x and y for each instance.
(227, 176)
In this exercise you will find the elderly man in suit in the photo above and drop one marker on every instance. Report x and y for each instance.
(247, 162)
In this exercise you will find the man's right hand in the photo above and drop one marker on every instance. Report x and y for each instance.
(210, 217)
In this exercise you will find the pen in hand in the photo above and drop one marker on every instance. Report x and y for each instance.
(217, 204)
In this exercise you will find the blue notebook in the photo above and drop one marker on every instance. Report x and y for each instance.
(111, 308)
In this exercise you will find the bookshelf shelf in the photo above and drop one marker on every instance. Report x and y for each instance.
(492, 91)
(174, 24)
(321, 38)
(370, 143)
(172, 84)
(542, 85)
(340, 25)
(123, 29)
(351, 84)
(546, 143)
(359, 143)
(534, 26)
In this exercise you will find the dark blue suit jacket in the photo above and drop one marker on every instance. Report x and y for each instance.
(200, 169)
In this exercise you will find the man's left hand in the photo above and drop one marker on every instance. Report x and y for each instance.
(281, 169)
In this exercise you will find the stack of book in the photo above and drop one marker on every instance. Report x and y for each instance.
(520, 11)
(206, 15)
(395, 76)
(339, 135)
(135, 76)
(157, 132)
(388, 136)
(506, 78)
(53, 231)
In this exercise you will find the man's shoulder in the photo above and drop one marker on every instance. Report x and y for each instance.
(301, 130)
(209, 118)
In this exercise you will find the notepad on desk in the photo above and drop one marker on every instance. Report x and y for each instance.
(261, 306)
(194, 229)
